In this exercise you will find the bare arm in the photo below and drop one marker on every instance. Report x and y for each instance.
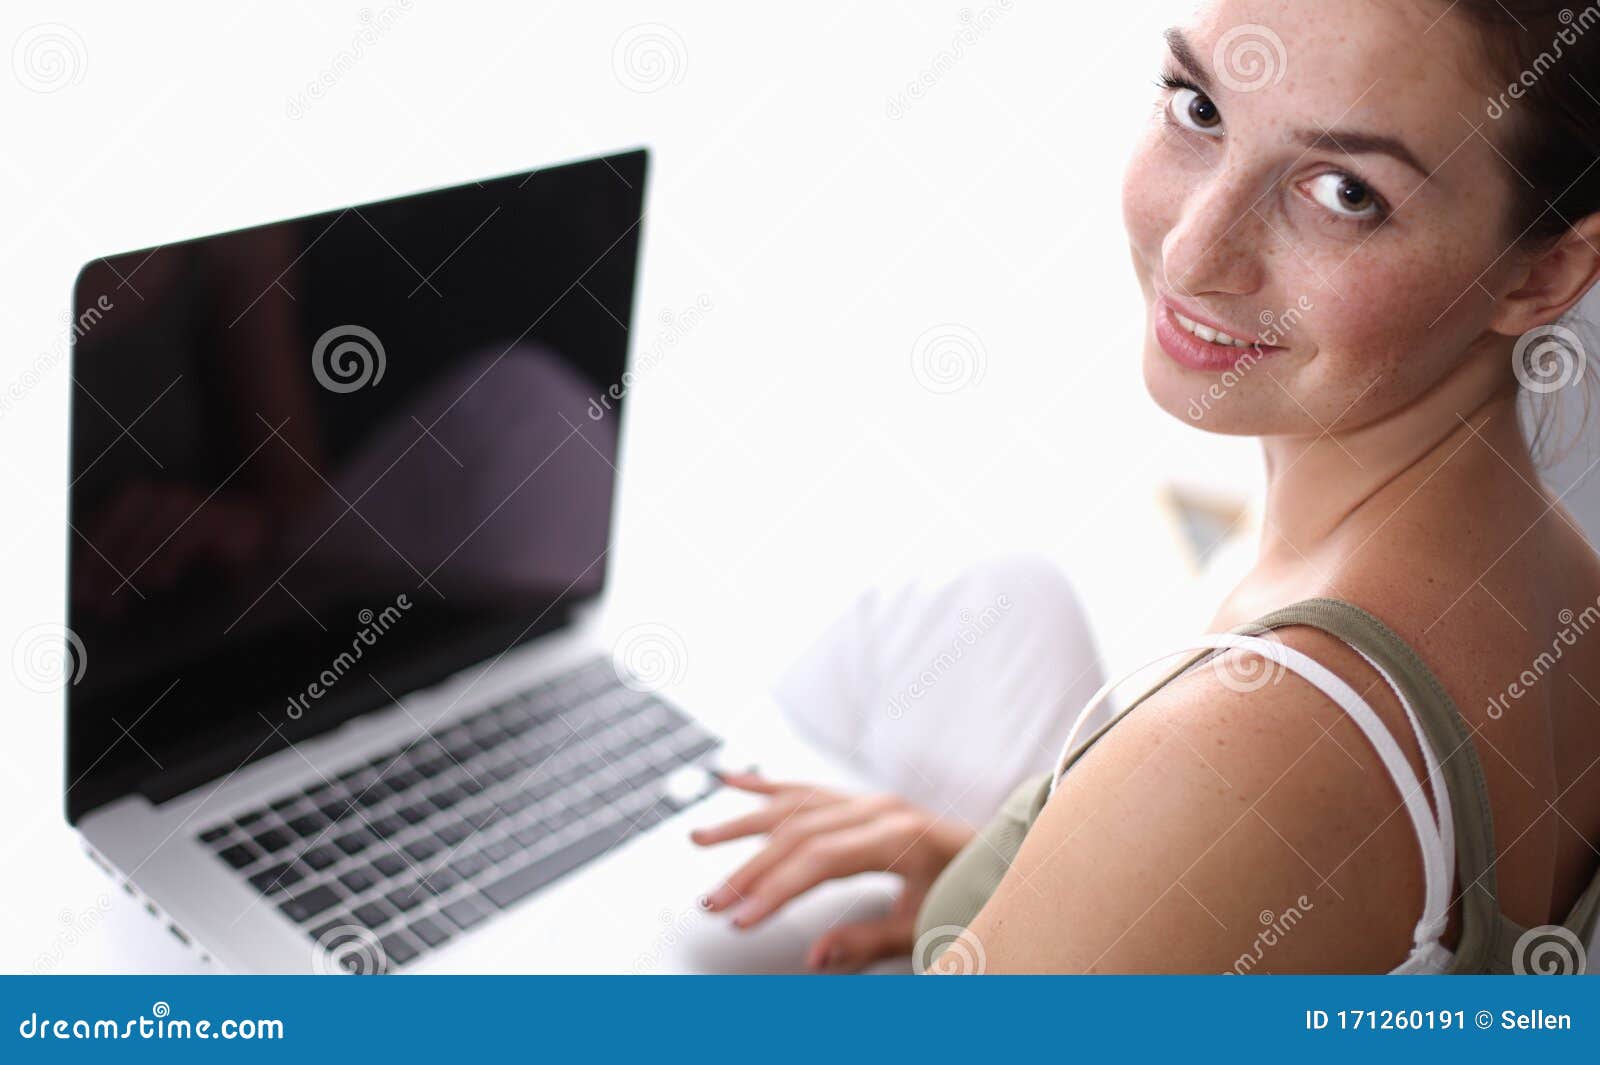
(1217, 830)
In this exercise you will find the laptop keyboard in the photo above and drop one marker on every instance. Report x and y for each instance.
(438, 835)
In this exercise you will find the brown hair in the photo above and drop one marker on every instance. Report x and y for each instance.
(1546, 56)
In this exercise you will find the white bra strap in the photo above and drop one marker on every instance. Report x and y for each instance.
(1431, 835)
(1446, 818)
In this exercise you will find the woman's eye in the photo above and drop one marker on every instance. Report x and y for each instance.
(1194, 110)
(1344, 196)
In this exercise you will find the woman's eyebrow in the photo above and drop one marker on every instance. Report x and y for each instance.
(1345, 142)
(1184, 54)
(1353, 142)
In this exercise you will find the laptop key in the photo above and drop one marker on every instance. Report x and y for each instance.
(422, 849)
(320, 857)
(355, 842)
(530, 878)
(432, 767)
(405, 899)
(273, 840)
(239, 855)
(389, 864)
(466, 912)
(279, 877)
(454, 832)
(372, 796)
(416, 813)
(374, 914)
(445, 798)
(430, 931)
(398, 948)
(469, 865)
(306, 905)
(357, 880)
(211, 835)
(308, 824)
(386, 826)
(328, 926)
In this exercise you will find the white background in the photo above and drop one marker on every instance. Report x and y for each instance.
(783, 453)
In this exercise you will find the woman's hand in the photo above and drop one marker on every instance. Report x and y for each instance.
(815, 835)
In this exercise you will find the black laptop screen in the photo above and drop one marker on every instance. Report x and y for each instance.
(320, 463)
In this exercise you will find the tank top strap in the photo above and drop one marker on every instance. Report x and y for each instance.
(1427, 954)
(1461, 834)
(1446, 740)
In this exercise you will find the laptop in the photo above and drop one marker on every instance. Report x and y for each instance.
(340, 515)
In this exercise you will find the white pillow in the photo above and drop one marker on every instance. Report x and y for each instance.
(950, 694)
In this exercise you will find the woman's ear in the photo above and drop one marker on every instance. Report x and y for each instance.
(1554, 281)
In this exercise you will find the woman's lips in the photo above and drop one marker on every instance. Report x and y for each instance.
(1196, 353)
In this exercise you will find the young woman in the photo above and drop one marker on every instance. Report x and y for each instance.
(1410, 189)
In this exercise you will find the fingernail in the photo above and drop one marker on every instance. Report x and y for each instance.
(719, 898)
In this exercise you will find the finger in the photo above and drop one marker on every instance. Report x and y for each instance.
(768, 818)
(754, 782)
(763, 820)
(863, 848)
(797, 798)
(793, 832)
(852, 947)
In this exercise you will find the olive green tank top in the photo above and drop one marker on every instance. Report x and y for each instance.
(1490, 941)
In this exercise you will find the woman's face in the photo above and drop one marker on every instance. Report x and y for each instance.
(1322, 183)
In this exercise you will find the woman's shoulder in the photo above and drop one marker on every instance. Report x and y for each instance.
(1476, 604)
(1235, 803)
(1504, 623)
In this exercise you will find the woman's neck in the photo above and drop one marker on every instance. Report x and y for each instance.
(1464, 427)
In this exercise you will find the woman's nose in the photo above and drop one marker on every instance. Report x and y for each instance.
(1217, 242)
